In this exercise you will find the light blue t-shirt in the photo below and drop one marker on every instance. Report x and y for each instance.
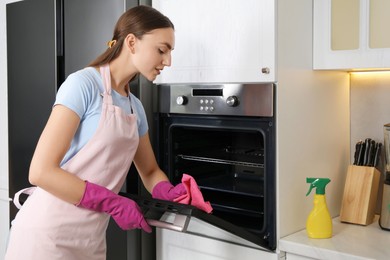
(82, 93)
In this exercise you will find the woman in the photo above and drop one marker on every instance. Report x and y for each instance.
(95, 130)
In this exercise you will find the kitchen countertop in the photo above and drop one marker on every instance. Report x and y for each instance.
(349, 241)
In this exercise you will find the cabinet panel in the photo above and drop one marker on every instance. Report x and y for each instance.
(379, 20)
(345, 19)
(176, 245)
(220, 41)
(334, 32)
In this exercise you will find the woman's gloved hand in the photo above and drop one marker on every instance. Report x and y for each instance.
(124, 211)
(164, 190)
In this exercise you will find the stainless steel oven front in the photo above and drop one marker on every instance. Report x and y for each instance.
(224, 136)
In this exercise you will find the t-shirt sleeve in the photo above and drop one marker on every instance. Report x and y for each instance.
(142, 121)
(75, 94)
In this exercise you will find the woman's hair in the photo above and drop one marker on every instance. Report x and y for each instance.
(138, 20)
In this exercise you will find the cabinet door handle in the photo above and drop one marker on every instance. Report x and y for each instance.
(265, 70)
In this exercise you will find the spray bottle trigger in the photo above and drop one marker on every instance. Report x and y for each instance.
(311, 187)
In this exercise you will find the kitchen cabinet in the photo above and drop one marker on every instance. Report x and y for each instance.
(351, 34)
(177, 245)
(221, 41)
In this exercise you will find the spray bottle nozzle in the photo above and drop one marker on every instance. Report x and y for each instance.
(318, 183)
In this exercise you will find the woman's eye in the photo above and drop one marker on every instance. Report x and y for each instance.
(161, 51)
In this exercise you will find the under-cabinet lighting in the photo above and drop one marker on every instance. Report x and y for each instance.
(372, 73)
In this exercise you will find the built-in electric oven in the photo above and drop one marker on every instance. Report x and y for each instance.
(224, 136)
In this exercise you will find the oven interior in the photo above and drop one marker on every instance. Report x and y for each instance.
(229, 164)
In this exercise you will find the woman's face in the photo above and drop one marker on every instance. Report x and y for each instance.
(153, 52)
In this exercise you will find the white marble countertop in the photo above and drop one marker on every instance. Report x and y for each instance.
(349, 241)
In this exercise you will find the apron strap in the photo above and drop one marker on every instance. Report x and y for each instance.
(27, 191)
(106, 77)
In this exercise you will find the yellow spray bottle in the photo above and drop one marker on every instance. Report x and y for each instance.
(319, 222)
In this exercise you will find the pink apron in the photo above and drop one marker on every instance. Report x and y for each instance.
(49, 228)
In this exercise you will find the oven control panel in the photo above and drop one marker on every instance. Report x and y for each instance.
(232, 101)
(206, 104)
(226, 99)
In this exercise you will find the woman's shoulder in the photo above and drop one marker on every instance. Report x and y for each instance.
(80, 91)
(87, 72)
(87, 76)
(85, 80)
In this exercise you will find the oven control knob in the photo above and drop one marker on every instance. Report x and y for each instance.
(232, 101)
(181, 100)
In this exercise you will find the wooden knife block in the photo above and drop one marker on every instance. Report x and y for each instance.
(360, 195)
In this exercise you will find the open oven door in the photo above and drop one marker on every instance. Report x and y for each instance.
(189, 219)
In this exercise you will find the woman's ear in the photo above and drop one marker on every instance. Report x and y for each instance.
(130, 42)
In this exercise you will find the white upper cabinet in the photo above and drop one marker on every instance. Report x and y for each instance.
(351, 34)
(221, 41)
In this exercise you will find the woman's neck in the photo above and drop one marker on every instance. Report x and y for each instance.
(120, 77)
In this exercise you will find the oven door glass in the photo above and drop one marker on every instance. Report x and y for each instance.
(232, 160)
(190, 220)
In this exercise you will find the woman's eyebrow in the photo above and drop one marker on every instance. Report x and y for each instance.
(168, 45)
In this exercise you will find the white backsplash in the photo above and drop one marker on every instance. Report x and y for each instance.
(370, 110)
(370, 106)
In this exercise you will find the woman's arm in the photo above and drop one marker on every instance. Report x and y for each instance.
(55, 140)
(146, 164)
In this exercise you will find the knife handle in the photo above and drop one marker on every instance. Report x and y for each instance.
(371, 153)
(377, 154)
(356, 155)
(361, 154)
(367, 144)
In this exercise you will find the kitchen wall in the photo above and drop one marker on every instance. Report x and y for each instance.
(313, 132)
(370, 110)
(370, 105)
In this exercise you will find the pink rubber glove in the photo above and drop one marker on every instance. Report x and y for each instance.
(164, 190)
(124, 211)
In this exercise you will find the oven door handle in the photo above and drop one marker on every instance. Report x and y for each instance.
(180, 223)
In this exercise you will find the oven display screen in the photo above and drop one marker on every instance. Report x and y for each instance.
(215, 92)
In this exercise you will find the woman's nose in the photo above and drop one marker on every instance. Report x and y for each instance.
(167, 60)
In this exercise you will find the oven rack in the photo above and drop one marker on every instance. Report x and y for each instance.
(237, 210)
(224, 184)
(221, 161)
